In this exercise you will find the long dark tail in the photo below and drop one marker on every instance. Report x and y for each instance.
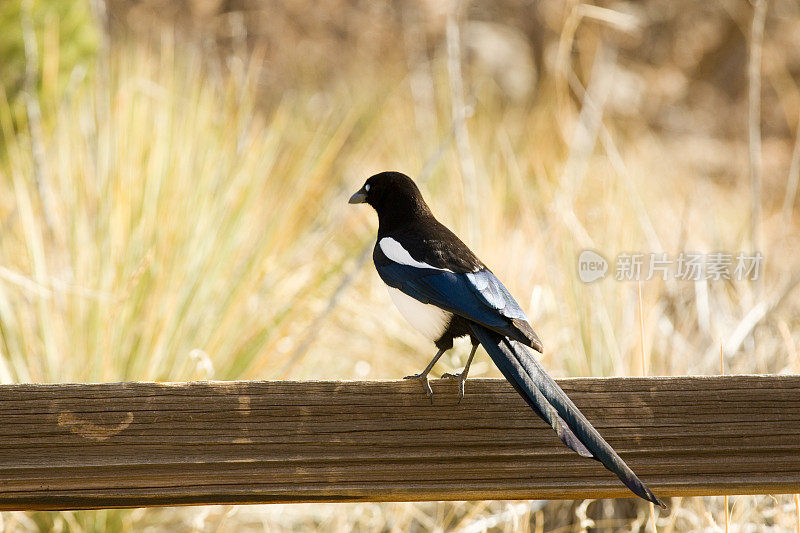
(523, 371)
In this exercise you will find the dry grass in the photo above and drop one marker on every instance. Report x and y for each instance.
(199, 228)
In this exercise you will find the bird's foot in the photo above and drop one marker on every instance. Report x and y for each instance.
(462, 379)
(423, 378)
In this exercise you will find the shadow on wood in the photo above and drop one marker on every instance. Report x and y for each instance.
(138, 444)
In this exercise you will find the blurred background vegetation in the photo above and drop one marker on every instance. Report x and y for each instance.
(174, 177)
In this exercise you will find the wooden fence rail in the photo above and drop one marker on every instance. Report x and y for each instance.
(138, 444)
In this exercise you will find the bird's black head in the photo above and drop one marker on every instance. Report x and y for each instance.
(394, 196)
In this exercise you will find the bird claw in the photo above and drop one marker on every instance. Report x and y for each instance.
(423, 378)
(462, 379)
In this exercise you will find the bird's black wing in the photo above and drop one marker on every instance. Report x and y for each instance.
(477, 296)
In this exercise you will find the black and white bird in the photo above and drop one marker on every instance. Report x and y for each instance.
(446, 292)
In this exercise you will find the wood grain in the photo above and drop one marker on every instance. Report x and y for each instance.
(138, 444)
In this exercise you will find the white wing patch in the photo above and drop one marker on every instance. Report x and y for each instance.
(426, 318)
(395, 251)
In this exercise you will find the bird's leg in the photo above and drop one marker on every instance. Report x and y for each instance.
(423, 376)
(462, 377)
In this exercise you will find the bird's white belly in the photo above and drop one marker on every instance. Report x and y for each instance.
(426, 318)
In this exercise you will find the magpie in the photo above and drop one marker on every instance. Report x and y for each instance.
(446, 292)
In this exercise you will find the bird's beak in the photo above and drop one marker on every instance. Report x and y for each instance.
(359, 197)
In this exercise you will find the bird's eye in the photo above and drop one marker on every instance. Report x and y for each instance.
(366, 187)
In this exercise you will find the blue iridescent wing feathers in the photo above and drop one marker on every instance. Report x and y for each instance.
(483, 300)
(494, 293)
